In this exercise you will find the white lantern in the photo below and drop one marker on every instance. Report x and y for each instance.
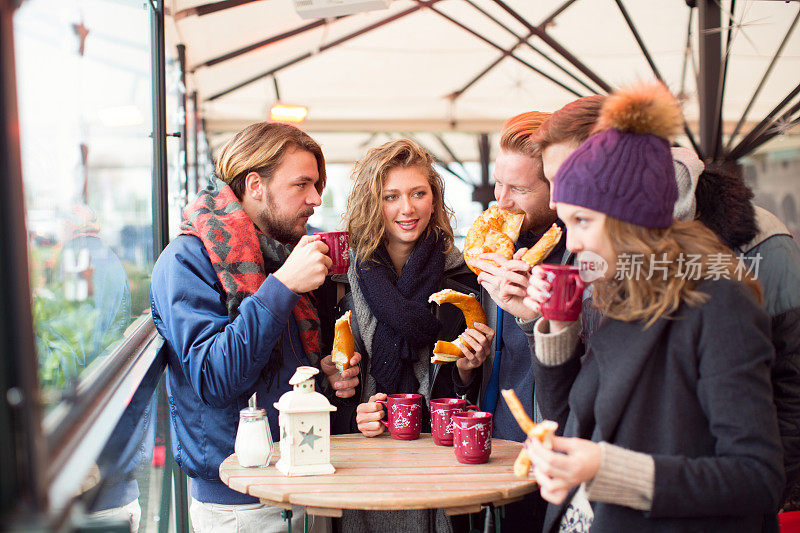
(305, 425)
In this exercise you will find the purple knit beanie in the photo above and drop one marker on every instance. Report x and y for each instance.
(626, 170)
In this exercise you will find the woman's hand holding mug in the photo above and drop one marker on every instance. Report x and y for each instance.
(369, 415)
(539, 293)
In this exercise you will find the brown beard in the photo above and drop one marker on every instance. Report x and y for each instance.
(541, 219)
(281, 228)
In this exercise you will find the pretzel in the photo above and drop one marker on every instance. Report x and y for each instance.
(494, 231)
(447, 352)
(343, 343)
(542, 431)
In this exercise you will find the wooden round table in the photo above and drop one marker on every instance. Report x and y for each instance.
(381, 473)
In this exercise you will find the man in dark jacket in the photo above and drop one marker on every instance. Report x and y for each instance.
(232, 297)
(724, 205)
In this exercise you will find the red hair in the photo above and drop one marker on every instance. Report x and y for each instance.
(572, 124)
(517, 133)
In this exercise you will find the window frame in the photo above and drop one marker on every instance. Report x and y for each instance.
(46, 466)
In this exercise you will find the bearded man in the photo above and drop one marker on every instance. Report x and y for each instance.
(231, 295)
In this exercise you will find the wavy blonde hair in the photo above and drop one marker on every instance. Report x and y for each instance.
(364, 215)
(630, 299)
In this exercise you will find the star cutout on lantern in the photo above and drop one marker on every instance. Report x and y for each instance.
(82, 32)
(309, 437)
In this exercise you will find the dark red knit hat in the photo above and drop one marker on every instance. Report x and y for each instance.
(625, 170)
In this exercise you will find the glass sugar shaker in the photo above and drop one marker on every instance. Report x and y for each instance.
(253, 444)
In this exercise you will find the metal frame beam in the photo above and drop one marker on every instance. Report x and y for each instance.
(763, 81)
(525, 40)
(483, 192)
(687, 52)
(769, 127)
(183, 101)
(639, 41)
(213, 7)
(758, 129)
(555, 45)
(550, 18)
(710, 70)
(503, 50)
(439, 161)
(721, 84)
(452, 154)
(23, 488)
(482, 73)
(302, 57)
(787, 123)
(158, 93)
(266, 42)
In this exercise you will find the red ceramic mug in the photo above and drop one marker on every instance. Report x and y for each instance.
(338, 250)
(472, 436)
(403, 415)
(566, 293)
(442, 410)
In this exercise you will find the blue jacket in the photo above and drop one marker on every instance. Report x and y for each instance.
(213, 365)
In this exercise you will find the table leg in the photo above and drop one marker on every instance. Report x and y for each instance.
(472, 528)
(305, 522)
(286, 514)
(498, 513)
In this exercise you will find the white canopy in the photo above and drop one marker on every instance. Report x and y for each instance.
(401, 77)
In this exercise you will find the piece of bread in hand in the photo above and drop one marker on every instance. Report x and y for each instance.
(447, 352)
(343, 343)
(542, 431)
(543, 246)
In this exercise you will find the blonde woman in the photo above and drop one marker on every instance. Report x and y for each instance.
(402, 247)
(402, 251)
(668, 418)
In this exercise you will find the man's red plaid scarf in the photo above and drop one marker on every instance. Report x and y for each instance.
(242, 257)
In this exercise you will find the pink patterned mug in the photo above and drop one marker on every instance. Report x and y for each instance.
(338, 250)
(442, 411)
(566, 289)
(404, 415)
(472, 436)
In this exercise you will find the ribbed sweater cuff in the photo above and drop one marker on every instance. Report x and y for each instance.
(624, 478)
(526, 325)
(554, 349)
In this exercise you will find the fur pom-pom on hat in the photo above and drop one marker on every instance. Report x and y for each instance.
(625, 169)
(645, 108)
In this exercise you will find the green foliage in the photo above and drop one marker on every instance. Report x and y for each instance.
(71, 335)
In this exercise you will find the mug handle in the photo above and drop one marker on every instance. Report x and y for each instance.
(385, 410)
(579, 287)
(471, 408)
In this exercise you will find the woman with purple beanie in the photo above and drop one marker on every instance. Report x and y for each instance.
(666, 416)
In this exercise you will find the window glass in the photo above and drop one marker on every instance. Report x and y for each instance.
(84, 92)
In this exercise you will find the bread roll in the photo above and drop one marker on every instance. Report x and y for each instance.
(343, 343)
